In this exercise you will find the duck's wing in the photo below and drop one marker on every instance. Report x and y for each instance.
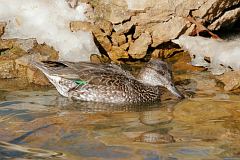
(86, 72)
(93, 67)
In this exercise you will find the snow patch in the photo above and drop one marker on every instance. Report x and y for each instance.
(48, 21)
(223, 55)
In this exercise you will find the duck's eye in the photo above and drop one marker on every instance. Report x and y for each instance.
(161, 72)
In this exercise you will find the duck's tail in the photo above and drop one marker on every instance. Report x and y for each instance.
(41, 66)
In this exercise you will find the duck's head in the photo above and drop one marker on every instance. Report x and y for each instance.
(158, 73)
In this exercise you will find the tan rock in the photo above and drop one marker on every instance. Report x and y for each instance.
(113, 11)
(95, 58)
(129, 39)
(124, 46)
(117, 39)
(226, 19)
(15, 61)
(138, 31)
(7, 69)
(212, 9)
(81, 25)
(164, 32)
(37, 77)
(139, 48)
(105, 25)
(104, 42)
(230, 79)
(117, 53)
(123, 28)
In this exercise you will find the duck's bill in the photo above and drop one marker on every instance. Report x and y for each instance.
(175, 91)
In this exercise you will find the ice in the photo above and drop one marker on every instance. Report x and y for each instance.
(48, 22)
(224, 55)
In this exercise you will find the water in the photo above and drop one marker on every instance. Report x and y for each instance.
(38, 123)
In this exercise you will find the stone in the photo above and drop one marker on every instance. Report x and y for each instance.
(117, 39)
(105, 25)
(95, 58)
(104, 42)
(15, 60)
(123, 28)
(228, 18)
(7, 69)
(26, 44)
(164, 32)
(114, 11)
(81, 25)
(140, 46)
(117, 53)
(37, 77)
(124, 46)
(231, 80)
(212, 9)
(138, 31)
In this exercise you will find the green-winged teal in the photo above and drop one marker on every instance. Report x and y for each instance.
(109, 83)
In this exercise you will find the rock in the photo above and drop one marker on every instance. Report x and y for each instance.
(2, 27)
(213, 9)
(164, 32)
(81, 25)
(138, 31)
(230, 79)
(124, 46)
(35, 76)
(7, 69)
(95, 58)
(114, 11)
(183, 63)
(117, 53)
(15, 61)
(26, 44)
(225, 20)
(123, 28)
(118, 40)
(105, 25)
(139, 48)
(104, 42)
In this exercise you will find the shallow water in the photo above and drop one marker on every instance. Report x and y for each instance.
(37, 123)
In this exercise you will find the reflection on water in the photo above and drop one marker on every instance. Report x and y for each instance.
(37, 123)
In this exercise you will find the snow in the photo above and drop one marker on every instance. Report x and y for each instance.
(223, 54)
(48, 22)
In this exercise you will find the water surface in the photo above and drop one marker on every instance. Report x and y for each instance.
(38, 123)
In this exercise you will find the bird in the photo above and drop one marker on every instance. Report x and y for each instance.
(109, 83)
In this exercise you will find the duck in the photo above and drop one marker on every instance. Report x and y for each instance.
(109, 83)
